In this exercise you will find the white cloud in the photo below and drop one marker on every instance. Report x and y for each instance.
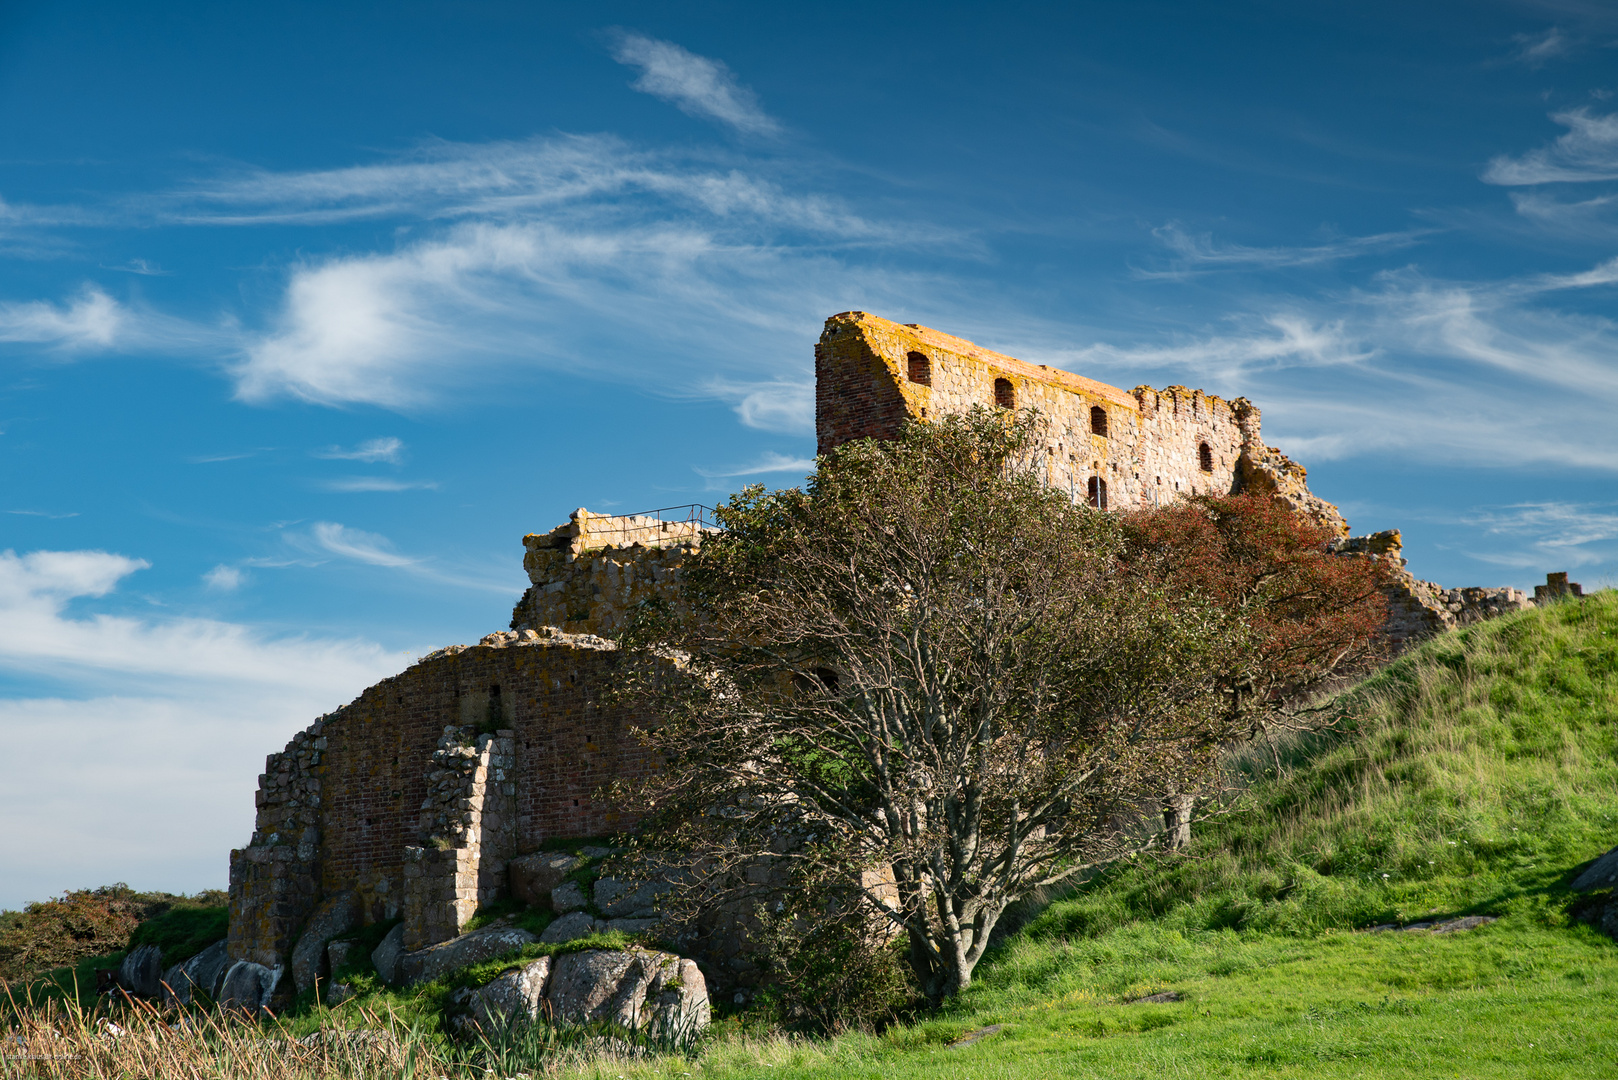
(1588, 151)
(769, 462)
(223, 578)
(174, 748)
(787, 407)
(1581, 217)
(325, 539)
(694, 84)
(1554, 535)
(358, 544)
(1535, 49)
(1201, 254)
(377, 483)
(571, 253)
(92, 320)
(389, 449)
(36, 634)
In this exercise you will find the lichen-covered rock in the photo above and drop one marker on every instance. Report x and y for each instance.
(142, 971)
(385, 957)
(425, 965)
(248, 987)
(336, 914)
(532, 877)
(620, 898)
(632, 926)
(342, 954)
(637, 988)
(567, 897)
(518, 994)
(570, 927)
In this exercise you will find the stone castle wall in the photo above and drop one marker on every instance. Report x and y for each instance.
(1145, 446)
(435, 778)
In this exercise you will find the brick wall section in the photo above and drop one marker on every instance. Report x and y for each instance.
(340, 806)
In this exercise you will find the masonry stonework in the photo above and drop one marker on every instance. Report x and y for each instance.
(588, 575)
(1112, 448)
(416, 794)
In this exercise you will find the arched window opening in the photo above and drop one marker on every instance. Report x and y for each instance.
(1205, 457)
(1098, 493)
(1004, 395)
(1098, 421)
(921, 369)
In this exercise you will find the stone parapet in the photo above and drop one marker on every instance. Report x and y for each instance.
(589, 575)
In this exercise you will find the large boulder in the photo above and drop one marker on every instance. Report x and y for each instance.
(385, 957)
(342, 954)
(637, 988)
(618, 898)
(569, 927)
(517, 995)
(568, 896)
(142, 971)
(206, 970)
(198, 975)
(435, 961)
(1601, 874)
(534, 876)
(336, 914)
(248, 987)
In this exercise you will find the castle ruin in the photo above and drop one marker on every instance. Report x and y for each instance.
(410, 801)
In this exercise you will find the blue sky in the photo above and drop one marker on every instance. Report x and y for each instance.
(308, 312)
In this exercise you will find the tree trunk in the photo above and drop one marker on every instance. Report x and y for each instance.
(1177, 820)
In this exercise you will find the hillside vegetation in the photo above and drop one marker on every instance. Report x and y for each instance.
(1475, 776)
(1478, 775)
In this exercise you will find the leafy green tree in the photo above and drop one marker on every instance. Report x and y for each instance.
(927, 683)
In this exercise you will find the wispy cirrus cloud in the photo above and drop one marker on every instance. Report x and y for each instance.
(1413, 365)
(1586, 152)
(224, 578)
(1198, 254)
(769, 462)
(376, 483)
(324, 541)
(389, 449)
(1535, 49)
(359, 545)
(1558, 534)
(695, 85)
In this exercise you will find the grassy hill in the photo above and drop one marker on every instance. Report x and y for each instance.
(1480, 774)
(1476, 776)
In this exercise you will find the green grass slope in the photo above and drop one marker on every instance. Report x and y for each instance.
(1480, 775)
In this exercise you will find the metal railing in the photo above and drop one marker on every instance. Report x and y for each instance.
(697, 514)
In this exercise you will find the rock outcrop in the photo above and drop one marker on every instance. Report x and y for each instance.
(336, 914)
(436, 961)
